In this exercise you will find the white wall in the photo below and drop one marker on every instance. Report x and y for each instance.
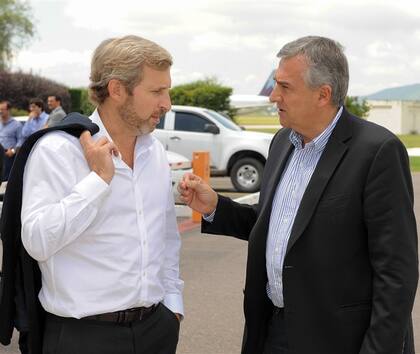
(411, 116)
(387, 114)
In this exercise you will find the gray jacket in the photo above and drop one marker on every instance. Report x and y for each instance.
(56, 116)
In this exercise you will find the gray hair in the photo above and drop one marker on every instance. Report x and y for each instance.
(326, 61)
(123, 59)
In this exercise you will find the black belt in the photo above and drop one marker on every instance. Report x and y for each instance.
(125, 316)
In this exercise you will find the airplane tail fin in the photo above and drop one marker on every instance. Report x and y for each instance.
(268, 86)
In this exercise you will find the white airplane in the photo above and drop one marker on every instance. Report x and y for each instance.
(255, 101)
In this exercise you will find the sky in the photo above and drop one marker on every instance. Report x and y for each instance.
(235, 41)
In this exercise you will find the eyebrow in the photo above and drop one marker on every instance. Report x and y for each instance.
(282, 82)
(159, 87)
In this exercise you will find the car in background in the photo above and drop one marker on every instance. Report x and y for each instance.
(179, 166)
(233, 152)
(22, 119)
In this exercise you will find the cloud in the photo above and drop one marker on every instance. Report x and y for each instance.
(218, 41)
(62, 65)
(231, 39)
(44, 60)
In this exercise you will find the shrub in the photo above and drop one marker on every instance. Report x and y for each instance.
(19, 88)
(76, 99)
(86, 105)
(207, 93)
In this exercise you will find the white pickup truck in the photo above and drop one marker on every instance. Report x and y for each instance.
(233, 152)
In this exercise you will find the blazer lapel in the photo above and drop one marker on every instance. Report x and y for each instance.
(282, 152)
(332, 155)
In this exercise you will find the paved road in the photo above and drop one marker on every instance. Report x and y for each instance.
(213, 269)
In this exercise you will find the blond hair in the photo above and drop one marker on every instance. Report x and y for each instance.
(123, 59)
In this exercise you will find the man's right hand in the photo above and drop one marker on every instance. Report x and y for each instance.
(197, 194)
(99, 155)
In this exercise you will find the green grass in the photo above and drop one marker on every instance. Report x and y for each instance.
(415, 163)
(256, 120)
(410, 141)
(263, 130)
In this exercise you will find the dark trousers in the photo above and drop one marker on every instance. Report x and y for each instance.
(7, 166)
(156, 334)
(276, 341)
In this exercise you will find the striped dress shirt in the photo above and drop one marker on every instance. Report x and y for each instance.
(296, 176)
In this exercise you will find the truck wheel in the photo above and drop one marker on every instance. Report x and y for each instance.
(246, 175)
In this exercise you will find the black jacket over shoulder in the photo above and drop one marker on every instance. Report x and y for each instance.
(21, 272)
(351, 265)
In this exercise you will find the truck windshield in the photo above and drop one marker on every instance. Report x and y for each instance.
(223, 120)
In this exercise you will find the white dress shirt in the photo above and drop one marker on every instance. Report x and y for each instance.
(101, 248)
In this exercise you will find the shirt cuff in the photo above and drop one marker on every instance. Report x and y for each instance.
(174, 303)
(92, 187)
(209, 217)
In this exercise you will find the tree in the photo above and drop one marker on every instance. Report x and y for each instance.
(15, 28)
(207, 93)
(357, 107)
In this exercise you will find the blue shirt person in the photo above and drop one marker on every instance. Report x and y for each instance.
(10, 137)
(37, 118)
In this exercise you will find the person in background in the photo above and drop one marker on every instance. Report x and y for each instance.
(37, 118)
(10, 137)
(57, 113)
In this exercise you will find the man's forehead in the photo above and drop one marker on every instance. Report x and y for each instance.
(156, 77)
(291, 67)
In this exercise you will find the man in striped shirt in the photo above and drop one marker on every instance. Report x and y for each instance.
(332, 244)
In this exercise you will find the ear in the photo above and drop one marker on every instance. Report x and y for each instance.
(117, 90)
(325, 93)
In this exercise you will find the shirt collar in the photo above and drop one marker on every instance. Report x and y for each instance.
(321, 140)
(10, 120)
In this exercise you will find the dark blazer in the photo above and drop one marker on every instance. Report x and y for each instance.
(351, 268)
(21, 275)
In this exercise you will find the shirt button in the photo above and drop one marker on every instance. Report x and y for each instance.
(144, 243)
(139, 212)
(144, 274)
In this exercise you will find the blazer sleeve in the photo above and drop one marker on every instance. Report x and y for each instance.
(392, 243)
(231, 219)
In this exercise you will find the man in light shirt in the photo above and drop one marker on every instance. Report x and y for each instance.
(332, 244)
(98, 214)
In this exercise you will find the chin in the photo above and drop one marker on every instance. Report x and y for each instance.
(283, 122)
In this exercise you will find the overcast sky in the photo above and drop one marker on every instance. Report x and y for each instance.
(233, 40)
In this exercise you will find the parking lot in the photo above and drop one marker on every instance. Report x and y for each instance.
(213, 268)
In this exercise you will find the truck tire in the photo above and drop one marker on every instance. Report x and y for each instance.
(246, 175)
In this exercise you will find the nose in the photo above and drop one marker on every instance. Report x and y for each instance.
(274, 95)
(165, 104)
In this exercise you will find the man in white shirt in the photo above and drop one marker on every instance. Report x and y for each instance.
(98, 214)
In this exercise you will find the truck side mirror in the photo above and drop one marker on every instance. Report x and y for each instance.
(211, 128)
